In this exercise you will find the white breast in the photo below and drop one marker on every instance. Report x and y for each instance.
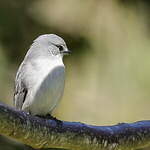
(47, 87)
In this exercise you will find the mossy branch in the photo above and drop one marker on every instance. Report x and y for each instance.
(43, 133)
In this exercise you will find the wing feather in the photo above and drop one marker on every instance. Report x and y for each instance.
(21, 91)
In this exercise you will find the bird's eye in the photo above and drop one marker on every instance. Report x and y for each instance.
(60, 47)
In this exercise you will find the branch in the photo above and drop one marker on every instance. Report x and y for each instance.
(43, 133)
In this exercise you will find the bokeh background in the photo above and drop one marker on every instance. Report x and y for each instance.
(108, 73)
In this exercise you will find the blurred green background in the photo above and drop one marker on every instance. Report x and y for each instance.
(108, 73)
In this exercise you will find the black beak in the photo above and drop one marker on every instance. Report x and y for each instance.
(67, 52)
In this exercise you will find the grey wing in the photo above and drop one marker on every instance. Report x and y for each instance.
(20, 92)
(20, 95)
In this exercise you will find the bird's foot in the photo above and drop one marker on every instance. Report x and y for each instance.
(48, 116)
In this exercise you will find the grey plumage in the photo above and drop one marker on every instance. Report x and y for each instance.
(39, 82)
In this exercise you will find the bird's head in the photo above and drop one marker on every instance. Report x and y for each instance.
(51, 44)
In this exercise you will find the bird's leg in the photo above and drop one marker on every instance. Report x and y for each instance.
(49, 116)
(46, 117)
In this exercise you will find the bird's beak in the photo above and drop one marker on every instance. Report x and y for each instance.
(66, 52)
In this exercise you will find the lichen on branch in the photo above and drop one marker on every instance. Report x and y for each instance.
(48, 133)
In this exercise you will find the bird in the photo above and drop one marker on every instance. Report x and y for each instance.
(40, 79)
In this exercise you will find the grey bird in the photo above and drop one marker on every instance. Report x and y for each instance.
(40, 79)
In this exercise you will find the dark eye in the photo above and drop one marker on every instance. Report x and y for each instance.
(60, 47)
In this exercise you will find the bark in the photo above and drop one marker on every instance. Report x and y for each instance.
(48, 133)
